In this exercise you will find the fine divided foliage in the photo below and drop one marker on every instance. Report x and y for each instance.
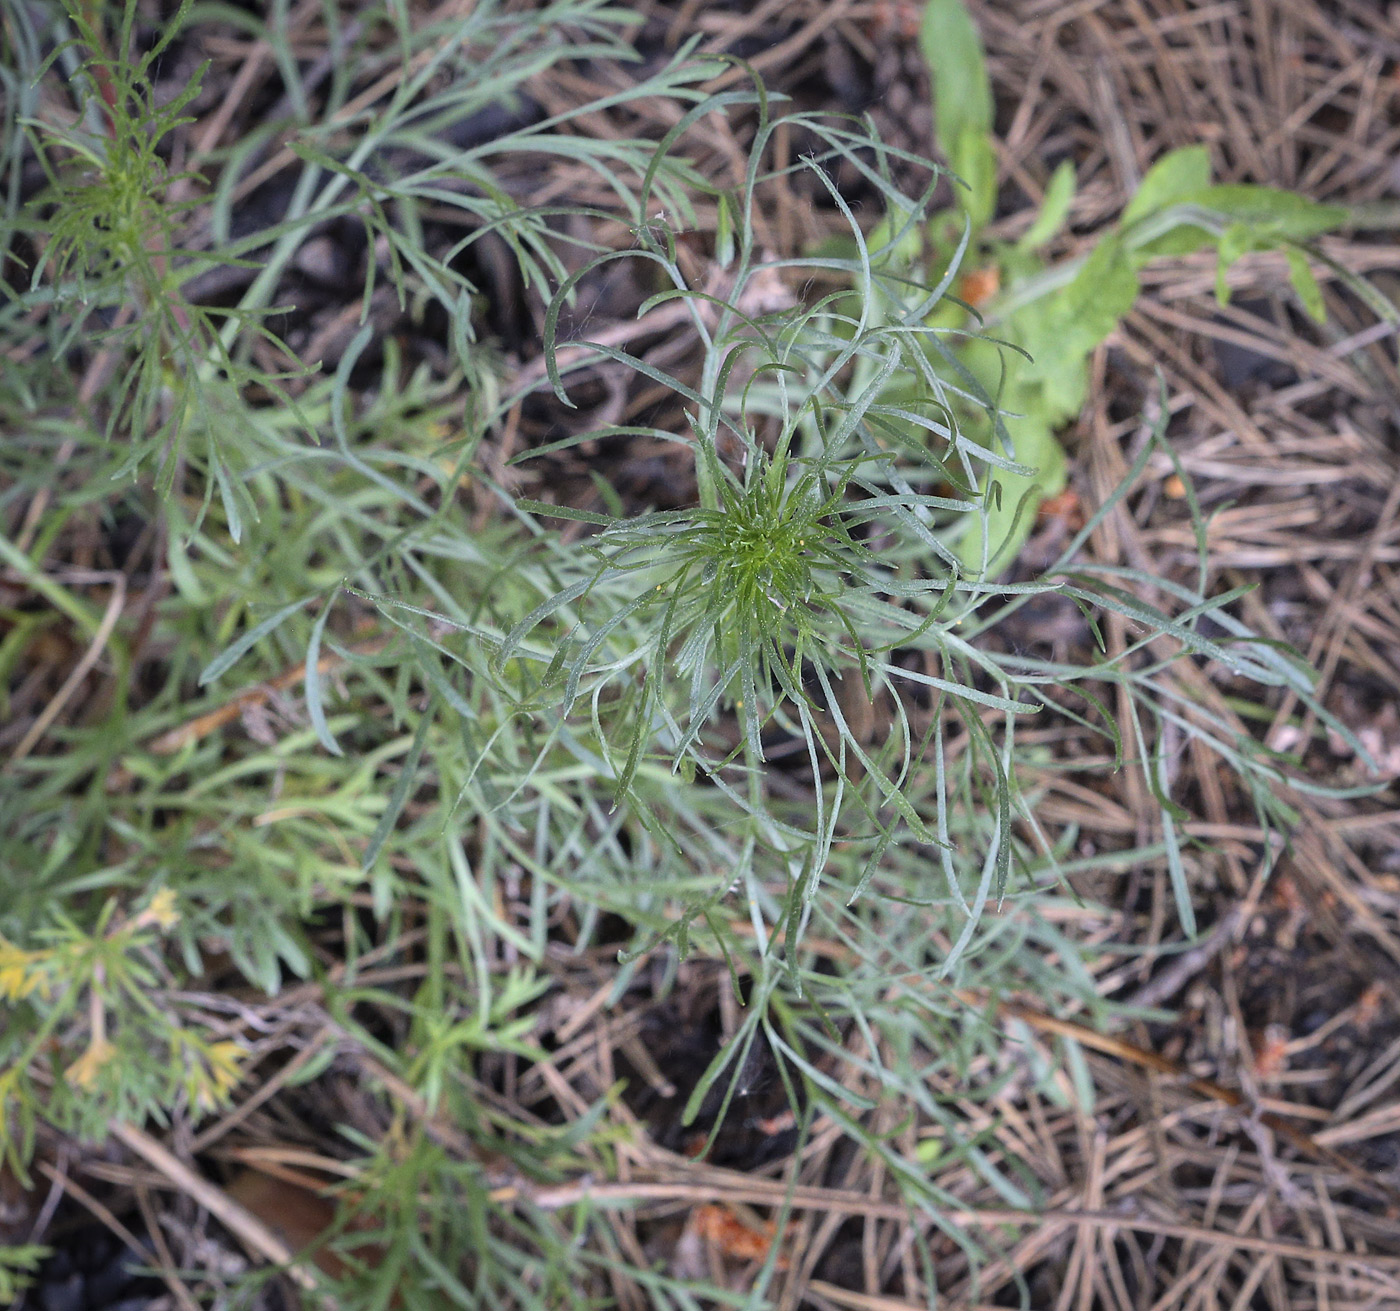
(422, 756)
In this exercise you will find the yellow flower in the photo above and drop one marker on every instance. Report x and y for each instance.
(20, 973)
(217, 1076)
(226, 1065)
(162, 910)
(85, 1069)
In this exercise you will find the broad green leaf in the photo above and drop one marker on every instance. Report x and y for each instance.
(962, 103)
(1006, 530)
(1054, 209)
(1269, 212)
(1185, 238)
(1102, 292)
(1268, 215)
(1061, 331)
(1178, 174)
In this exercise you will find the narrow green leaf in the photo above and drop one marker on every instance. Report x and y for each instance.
(1300, 274)
(314, 707)
(724, 232)
(1235, 241)
(565, 512)
(228, 658)
(403, 785)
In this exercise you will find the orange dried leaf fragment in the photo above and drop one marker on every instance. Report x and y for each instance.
(1271, 1054)
(302, 1218)
(894, 18)
(1063, 505)
(732, 1237)
(978, 286)
(784, 1122)
(1368, 1005)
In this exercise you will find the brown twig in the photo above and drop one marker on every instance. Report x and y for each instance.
(198, 728)
(256, 1235)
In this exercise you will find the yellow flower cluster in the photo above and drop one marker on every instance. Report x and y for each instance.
(221, 1072)
(22, 973)
(161, 912)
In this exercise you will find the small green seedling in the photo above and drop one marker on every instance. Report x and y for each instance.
(1054, 315)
